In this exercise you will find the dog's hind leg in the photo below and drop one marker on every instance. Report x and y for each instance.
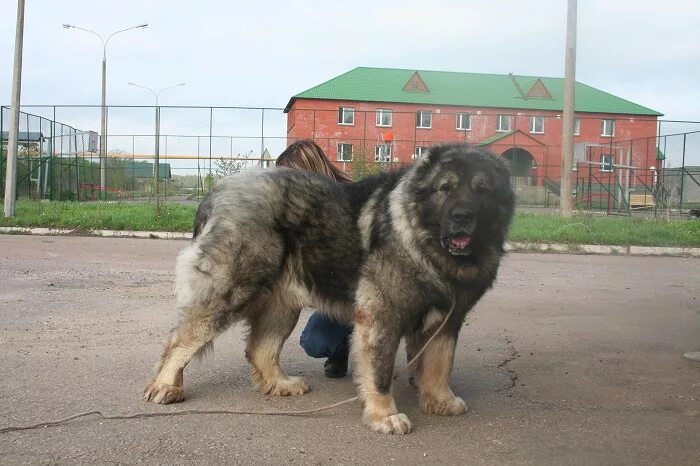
(196, 330)
(208, 302)
(269, 329)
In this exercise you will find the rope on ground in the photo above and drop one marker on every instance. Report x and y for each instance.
(189, 412)
(570, 225)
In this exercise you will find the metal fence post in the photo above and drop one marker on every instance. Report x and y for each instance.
(52, 179)
(133, 166)
(200, 185)
(2, 151)
(156, 165)
(211, 127)
(680, 205)
(262, 135)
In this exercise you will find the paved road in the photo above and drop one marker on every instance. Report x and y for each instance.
(568, 360)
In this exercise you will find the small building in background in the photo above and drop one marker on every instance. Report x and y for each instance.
(29, 142)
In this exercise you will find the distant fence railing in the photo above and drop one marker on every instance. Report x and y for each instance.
(59, 158)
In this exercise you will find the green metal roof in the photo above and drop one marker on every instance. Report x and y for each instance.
(494, 138)
(464, 89)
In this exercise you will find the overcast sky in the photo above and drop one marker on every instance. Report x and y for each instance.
(261, 53)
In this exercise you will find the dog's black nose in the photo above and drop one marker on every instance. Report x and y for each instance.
(462, 215)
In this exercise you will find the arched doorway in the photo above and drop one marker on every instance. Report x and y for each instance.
(523, 167)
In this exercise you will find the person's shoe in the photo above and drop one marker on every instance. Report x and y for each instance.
(336, 366)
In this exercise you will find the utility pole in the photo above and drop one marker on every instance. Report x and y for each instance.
(567, 144)
(11, 168)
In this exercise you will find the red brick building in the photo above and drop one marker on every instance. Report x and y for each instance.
(392, 115)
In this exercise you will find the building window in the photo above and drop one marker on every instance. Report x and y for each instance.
(577, 126)
(607, 128)
(464, 121)
(344, 152)
(383, 117)
(606, 163)
(537, 124)
(420, 152)
(503, 123)
(423, 119)
(382, 153)
(346, 116)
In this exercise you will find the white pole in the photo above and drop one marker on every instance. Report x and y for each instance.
(103, 127)
(11, 168)
(566, 200)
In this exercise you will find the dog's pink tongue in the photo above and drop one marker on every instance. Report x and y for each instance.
(461, 242)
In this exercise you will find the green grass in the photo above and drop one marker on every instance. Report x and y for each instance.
(102, 215)
(526, 227)
(604, 230)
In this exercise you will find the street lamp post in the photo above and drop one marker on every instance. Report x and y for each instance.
(103, 130)
(156, 165)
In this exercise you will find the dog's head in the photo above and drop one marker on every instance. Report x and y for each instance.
(465, 200)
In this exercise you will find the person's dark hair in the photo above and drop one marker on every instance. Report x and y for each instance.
(307, 155)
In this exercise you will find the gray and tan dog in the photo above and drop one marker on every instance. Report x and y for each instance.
(391, 254)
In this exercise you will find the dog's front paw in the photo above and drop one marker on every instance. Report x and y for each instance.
(163, 393)
(443, 406)
(394, 424)
(287, 386)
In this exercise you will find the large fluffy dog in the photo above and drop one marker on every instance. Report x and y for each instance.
(393, 254)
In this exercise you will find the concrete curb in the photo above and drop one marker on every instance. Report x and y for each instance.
(560, 248)
(602, 249)
(105, 233)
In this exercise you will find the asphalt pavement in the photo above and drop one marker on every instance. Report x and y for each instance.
(569, 359)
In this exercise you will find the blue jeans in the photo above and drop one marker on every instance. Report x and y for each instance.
(324, 337)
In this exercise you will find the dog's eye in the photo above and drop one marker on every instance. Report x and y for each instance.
(480, 184)
(444, 188)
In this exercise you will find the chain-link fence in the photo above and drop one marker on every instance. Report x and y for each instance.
(59, 156)
(177, 153)
(608, 178)
(54, 159)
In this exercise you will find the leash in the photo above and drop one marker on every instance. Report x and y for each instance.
(189, 412)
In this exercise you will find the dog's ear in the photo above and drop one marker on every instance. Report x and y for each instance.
(435, 153)
(422, 164)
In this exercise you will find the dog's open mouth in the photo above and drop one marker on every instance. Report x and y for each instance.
(458, 244)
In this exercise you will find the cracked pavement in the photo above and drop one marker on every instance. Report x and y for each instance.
(569, 359)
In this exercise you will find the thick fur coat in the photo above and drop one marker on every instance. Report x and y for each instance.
(391, 254)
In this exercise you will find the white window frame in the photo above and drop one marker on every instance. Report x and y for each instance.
(343, 112)
(420, 119)
(460, 121)
(382, 153)
(577, 127)
(533, 124)
(381, 113)
(607, 124)
(418, 151)
(499, 123)
(604, 164)
(341, 153)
